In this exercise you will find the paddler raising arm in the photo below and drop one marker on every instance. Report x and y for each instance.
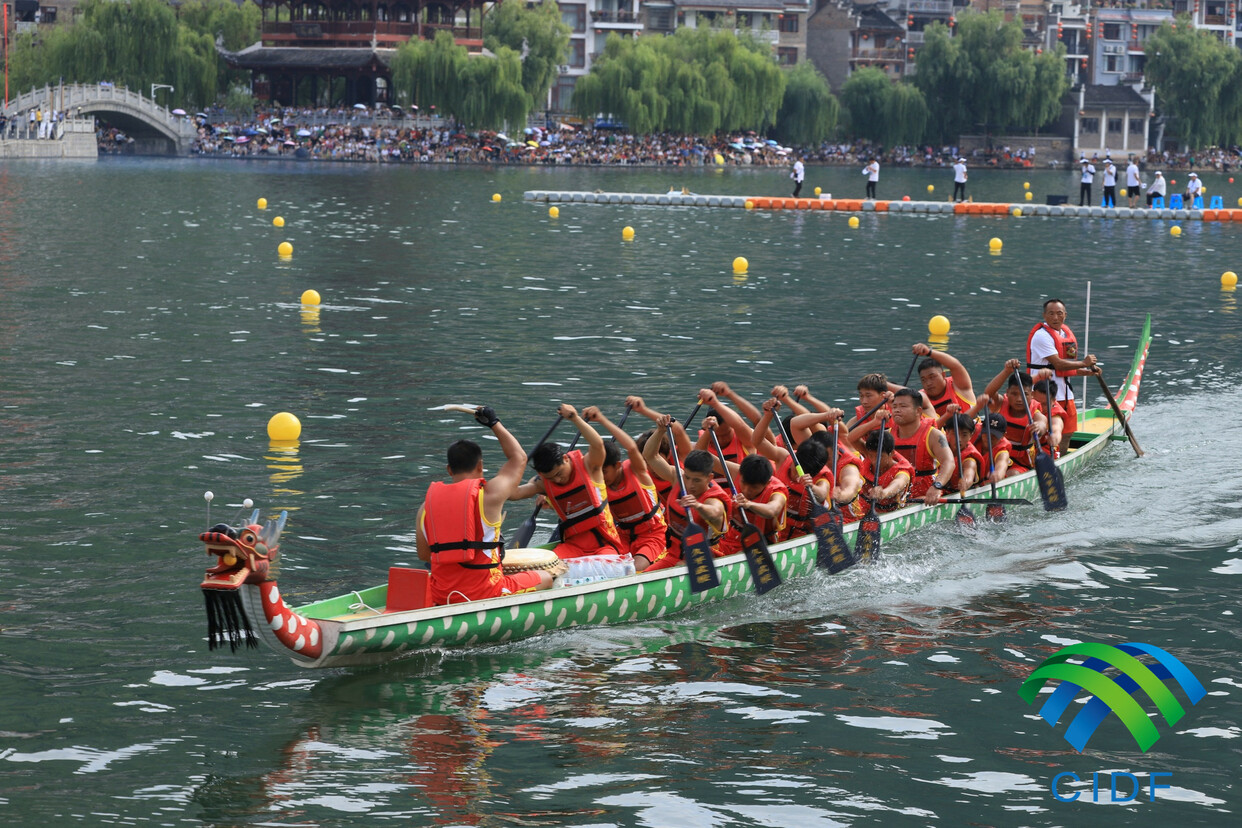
(704, 496)
(459, 523)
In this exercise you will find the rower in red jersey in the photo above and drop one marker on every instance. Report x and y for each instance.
(663, 487)
(922, 444)
(959, 431)
(895, 475)
(941, 389)
(999, 465)
(1022, 427)
(1045, 391)
(632, 496)
(459, 524)
(704, 496)
(731, 430)
(573, 484)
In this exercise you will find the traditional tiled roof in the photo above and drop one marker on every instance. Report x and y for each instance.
(1113, 97)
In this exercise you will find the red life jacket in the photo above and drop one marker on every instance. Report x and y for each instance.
(1018, 427)
(860, 410)
(772, 529)
(635, 509)
(980, 444)
(950, 395)
(969, 453)
(677, 519)
(900, 465)
(916, 451)
(453, 526)
(733, 451)
(797, 501)
(1067, 347)
(1045, 439)
(582, 505)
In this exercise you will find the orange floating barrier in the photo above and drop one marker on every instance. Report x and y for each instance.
(763, 203)
(960, 208)
(881, 206)
(1209, 215)
(827, 204)
(803, 204)
(778, 204)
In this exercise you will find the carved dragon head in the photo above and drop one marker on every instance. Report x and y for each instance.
(244, 555)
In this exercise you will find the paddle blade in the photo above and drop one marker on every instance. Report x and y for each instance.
(965, 518)
(833, 553)
(759, 559)
(995, 512)
(1051, 483)
(867, 541)
(523, 534)
(696, 551)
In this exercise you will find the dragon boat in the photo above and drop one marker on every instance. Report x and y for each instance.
(385, 622)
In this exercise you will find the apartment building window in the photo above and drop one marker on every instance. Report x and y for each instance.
(1115, 124)
(1090, 125)
(1110, 63)
(1136, 126)
(789, 23)
(1112, 31)
(786, 55)
(574, 17)
(577, 53)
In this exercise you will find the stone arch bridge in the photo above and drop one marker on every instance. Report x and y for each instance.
(155, 130)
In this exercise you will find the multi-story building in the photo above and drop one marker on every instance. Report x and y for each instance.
(590, 22)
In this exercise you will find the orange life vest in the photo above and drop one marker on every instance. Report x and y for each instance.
(581, 504)
(950, 395)
(635, 509)
(453, 526)
(772, 528)
(969, 453)
(797, 500)
(733, 451)
(677, 519)
(917, 452)
(900, 465)
(1067, 348)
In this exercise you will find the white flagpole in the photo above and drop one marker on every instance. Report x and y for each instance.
(1086, 343)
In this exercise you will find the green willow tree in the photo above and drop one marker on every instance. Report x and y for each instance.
(697, 81)
(134, 44)
(1196, 78)
(539, 27)
(809, 111)
(481, 92)
(982, 77)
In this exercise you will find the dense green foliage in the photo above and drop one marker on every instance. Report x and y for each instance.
(136, 44)
(882, 110)
(696, 81)
(809, 111)
(511, 23)
(1198, 81)
(982, 77)
(481, 92)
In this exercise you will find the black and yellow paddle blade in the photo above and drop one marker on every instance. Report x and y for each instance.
(832, 553)
(762, 568)
(867, 541)
(1051, 483)
(696, 551)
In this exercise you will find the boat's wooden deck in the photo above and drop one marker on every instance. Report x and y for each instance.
(1095, 425)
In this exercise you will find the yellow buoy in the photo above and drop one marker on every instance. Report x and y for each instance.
(310, 297)
(1026, 185)
(1122, 191)
(995, 244)
(819, 191)
(278, 222)
(718, 158)
(931, 188)
(938, 325)
(1029, 196)
(853, 221)
(750, 205)
(1017, 211)
(740, 265)
(1240, 202)
(554, 212)
(495, 196)
(627, 233)
(1228, 279)
(285, 249)
(1175, 231)
(284, 427)
(263, 204)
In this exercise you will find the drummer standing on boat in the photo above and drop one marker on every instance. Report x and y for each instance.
(1051, 344)
(574, 486)
(459, 523)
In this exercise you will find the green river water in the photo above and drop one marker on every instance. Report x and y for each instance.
(148, 331)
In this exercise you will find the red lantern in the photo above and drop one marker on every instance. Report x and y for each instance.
(910, 53)
(909, 21)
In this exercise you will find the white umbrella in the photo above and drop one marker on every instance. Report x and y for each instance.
(178, 112)
(304, 133)
(360, 106)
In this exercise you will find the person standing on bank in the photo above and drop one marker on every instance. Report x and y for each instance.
(872, 171)
(1088, 176)
(799, 172)
(959, 180)
(1051, 344)
(1109, 199)
(1133, 183)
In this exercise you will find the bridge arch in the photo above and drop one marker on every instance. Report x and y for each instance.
(154, 128)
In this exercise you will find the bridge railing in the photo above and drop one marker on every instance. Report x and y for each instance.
(72, 95)
(20, 129)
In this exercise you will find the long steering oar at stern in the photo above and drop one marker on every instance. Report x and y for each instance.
(1051, 485)
(754, 545)
(696, 549)
(1125, 423)
(832, 553)
(867, 541)
(524, 532)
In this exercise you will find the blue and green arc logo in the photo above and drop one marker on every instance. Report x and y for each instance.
(1112, 694)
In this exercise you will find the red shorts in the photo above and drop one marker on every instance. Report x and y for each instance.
(666, 559)
(651, 546)
(584, 544)
(512, 584)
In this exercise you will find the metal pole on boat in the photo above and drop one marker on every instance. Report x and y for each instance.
(1086, 342)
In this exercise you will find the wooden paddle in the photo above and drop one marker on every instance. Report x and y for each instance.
(1125, 423)
(832, 553)
(1051, 484)
(995, 509)
(762, 568)
(525, 531)
(867, 541)
(964, 516)
(696, 549)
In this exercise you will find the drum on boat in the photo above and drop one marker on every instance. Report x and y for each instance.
(529, 559)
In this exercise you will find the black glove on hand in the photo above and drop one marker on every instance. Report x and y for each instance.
(486, 415)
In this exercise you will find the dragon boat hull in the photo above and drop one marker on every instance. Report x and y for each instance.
(356, 630)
